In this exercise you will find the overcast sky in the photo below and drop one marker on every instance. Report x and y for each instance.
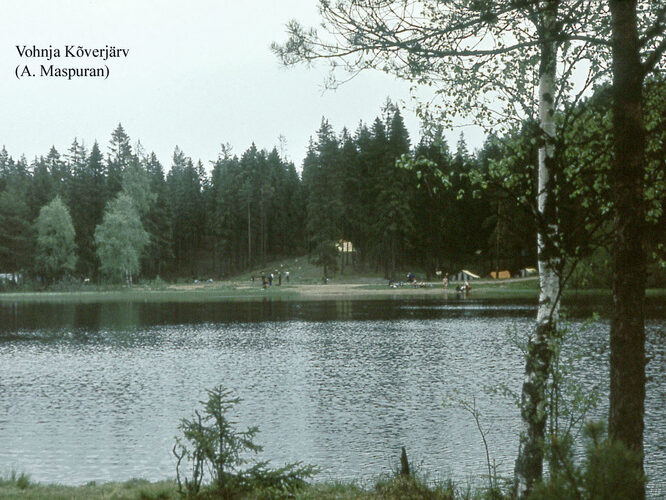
(198, 74)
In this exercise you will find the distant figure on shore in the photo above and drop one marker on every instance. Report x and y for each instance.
(263, 279)
(270, 280)
(286, 275)
(280, 278)
(445, 281)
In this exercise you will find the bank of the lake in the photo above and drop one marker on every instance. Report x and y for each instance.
(132, 489)
(227, 291)
(389, 488)
(217, 291)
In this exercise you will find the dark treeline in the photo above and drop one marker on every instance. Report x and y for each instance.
(429, 217)
(245, 211)
(401, 205)
(253, 208)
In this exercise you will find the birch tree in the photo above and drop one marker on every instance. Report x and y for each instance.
(55, 240)
(120, 239)
(498, 63)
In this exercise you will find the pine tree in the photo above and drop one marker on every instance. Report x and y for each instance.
(159, 253)
(185, 202)
(350, 195)
(87, 195)
(324, 204)
(42, 187)
(59, 171)
(15, 234)
(394, 215)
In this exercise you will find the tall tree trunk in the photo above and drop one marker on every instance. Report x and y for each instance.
(533, 407)
(249, 235)
(393, 257)
(498, 235)
(627, 334)
(262, 222)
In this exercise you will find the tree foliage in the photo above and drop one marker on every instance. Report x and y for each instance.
(120, 239)
(55, 240)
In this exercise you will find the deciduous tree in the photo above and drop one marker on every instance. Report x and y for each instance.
(55, 241)
(120, 239)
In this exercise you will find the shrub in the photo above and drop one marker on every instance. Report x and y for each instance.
(609, 471)
(20, 481)
(158, 283)
(215, 453)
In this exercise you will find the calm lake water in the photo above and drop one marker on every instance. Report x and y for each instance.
(96, 391)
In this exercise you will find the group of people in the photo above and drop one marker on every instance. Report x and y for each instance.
(464, 287)
(411, 280)
(267, 280)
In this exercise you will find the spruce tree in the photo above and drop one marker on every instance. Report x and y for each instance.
(119, 157)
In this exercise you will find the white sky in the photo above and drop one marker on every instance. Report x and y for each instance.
(199, 74)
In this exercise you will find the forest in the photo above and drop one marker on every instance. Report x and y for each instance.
(401, 203)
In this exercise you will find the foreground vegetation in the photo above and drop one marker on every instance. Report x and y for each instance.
(393, 488)
(390, 488)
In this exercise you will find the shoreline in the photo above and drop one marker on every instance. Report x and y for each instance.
(233, 291)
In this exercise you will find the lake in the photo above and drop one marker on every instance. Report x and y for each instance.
(95, 391)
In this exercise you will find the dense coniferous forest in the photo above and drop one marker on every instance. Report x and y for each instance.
(401, 202)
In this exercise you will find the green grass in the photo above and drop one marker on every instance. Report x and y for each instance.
(20, 486)
(368, 285)
(386, 488)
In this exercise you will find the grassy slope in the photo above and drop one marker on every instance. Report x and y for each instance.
(240, 287)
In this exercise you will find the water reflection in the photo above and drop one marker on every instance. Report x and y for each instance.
(95, 391)
(24, 316)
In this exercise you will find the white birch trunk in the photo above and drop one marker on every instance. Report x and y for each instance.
(529, 464)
